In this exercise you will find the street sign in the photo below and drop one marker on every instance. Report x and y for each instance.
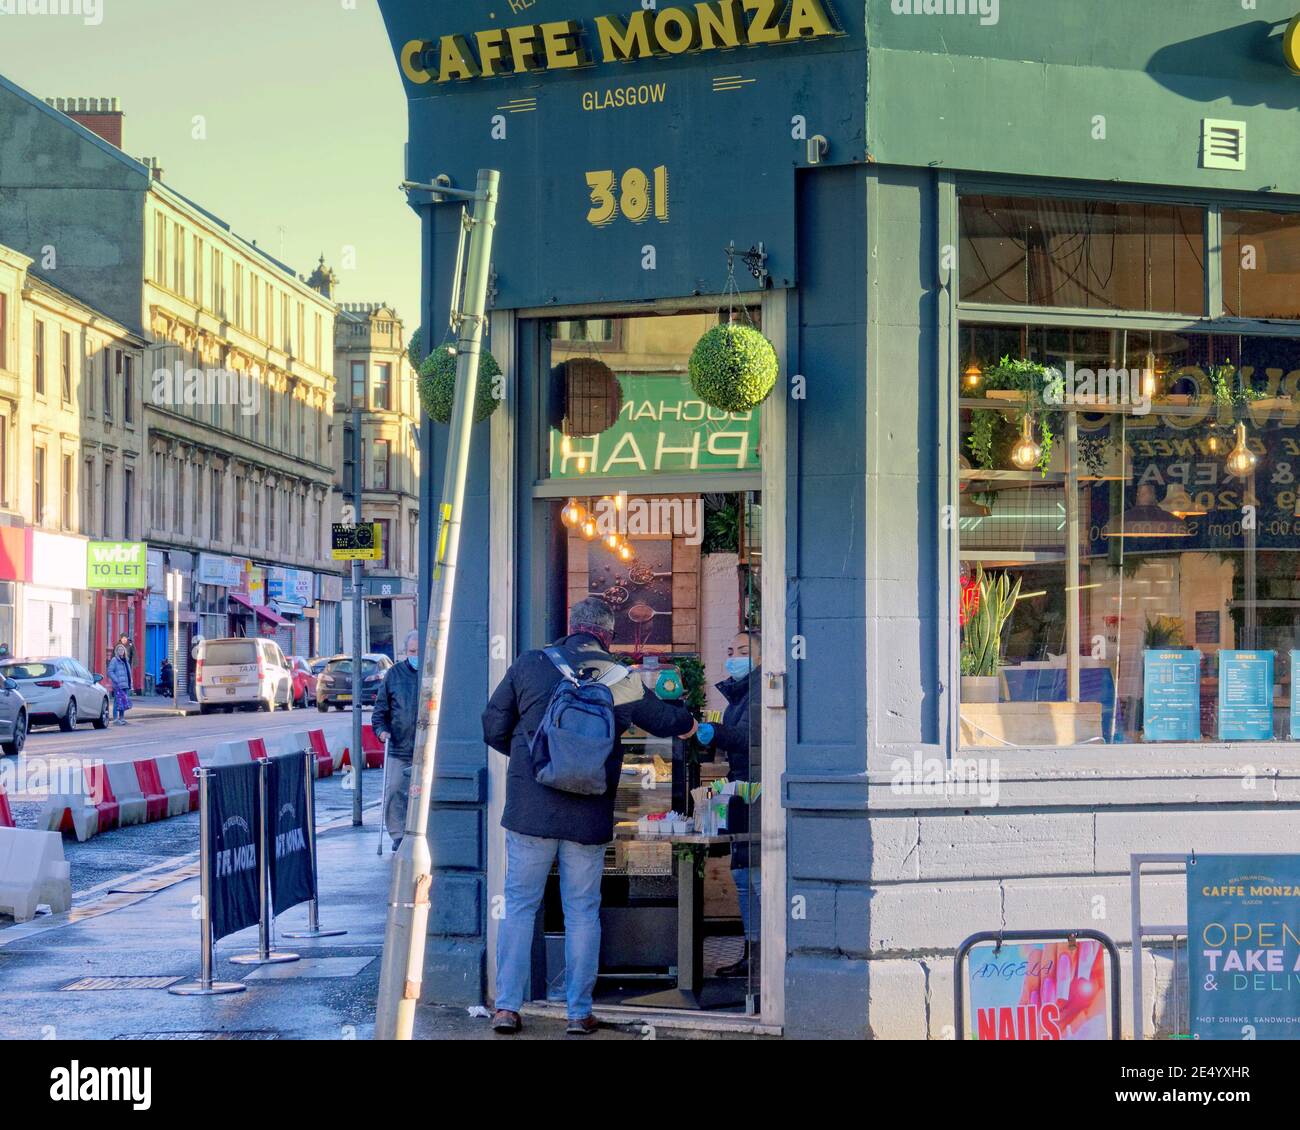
(362, 542)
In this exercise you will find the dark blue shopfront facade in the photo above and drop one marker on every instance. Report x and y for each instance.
(736, 173)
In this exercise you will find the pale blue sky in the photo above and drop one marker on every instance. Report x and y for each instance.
(306, 120)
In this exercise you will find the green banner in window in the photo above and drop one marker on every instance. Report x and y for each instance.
(662, 427)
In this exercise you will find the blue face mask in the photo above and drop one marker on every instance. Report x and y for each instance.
(738, 666)
(414, 661)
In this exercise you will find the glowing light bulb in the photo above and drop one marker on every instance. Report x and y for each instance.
(611, 542)
(626, 552)
(1027, 451)
(569, 515)
(973, 374)
(1241, 460)
(589, 529)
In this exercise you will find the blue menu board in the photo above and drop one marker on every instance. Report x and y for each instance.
(1245, 696)
(1295, 699)
(1171, 692)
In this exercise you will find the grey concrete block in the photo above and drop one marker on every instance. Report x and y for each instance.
(989, 844)
(812, 917)
(852, 920)
(825, 998)
(829, 847)
(453, 972)
(456, 837)
(911, 918)
(1205, 829)
(456, 905)
(896, 1000)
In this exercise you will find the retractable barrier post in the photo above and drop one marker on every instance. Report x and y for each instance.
(205, 986)
(313, 906)
(264, 955)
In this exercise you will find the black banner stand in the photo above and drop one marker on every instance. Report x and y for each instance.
(314, 929)
(205, 986)
(264, 955)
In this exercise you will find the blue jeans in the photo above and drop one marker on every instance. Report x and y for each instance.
(749, 884)
(528, 863)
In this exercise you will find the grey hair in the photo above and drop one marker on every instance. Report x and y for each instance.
(413, 634)
(591, 612)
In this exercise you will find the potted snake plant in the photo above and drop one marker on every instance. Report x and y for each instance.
(987, 604)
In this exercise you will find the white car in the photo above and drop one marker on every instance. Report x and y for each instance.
(244, 672)
(59, 689)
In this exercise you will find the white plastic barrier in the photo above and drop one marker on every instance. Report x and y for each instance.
(33, 871)
(71, 812)
(229, 753)
(173, 784)
(133, 808)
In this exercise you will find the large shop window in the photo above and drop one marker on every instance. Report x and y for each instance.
(646, 500)
(1129, 517)
(1082, 254)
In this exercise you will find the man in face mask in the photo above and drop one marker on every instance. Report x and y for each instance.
(396, 709)
(738, 737)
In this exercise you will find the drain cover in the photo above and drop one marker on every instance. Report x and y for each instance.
(254, 1034)
(101, 984)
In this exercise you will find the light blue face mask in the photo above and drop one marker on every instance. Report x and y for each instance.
(414, 661)
(738, 666)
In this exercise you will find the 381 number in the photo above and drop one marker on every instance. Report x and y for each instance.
(632, 194)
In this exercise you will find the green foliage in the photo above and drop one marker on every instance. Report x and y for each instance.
(415, 349)
(721, 528)
(1227, 390)
(733, 367)
(1163, 632)
(436, 384)
(992, 434)
(981, 641)
(694, 693)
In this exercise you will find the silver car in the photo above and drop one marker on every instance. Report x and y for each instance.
(59, 689)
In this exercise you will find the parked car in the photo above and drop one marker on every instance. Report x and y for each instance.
(58, 689)
(334, 683)
(13, 717)
(304, 681)
(243, 672)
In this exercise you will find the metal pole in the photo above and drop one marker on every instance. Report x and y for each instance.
(264, 954)
(205, 986)
(358, 756)
(313, 908)
(176, 631)
(408, 904)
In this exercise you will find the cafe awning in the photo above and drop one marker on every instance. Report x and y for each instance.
(269, 616)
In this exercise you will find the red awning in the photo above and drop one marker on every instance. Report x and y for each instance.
(240, 598)
(269, 616)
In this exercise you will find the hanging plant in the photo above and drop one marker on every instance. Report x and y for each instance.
(590, 396)
(415, 349)
(1038, 388)
(733, 367)
(436, 384)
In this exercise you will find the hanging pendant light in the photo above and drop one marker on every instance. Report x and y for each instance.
(1027, 451)
(1241, 460)
(626, 552)
(588, 528)
(973, 375)
(573, 514)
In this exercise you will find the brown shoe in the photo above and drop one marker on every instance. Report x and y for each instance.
(584, 1027)
(506, 1022)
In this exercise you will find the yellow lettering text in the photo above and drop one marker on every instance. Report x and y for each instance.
(808, 20)
(763, 28)
(455, 59)
(411, 68)
(563, 46)
(619, 41)
(720, 24)
(677, 31)
(490, 51)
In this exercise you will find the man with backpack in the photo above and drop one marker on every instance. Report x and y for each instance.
(558, 715)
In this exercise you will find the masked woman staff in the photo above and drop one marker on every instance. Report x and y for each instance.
(738, 737)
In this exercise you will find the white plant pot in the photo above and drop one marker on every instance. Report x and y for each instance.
(980, 688)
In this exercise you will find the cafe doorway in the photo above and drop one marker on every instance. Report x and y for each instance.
(629, 488)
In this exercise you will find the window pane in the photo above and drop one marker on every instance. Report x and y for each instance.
(1261, 264)
(1086, 254)
(1159, 570)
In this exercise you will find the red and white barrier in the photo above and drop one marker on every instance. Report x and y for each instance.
(373, 747)
(6, 813)
(160, 787)
(32, 871)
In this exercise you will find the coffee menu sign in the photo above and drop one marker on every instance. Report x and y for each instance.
(634, 147)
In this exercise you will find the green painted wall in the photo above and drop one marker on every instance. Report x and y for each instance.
(1019, 96)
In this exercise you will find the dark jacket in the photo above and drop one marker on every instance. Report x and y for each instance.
(738, 735)
(397, 706)
(514, 713)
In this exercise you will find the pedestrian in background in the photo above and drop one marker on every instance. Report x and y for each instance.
(124, 641)
(119, 674)
(397, 706)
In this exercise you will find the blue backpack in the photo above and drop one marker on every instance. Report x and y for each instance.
(577, 734)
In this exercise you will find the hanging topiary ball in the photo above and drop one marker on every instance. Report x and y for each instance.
(733, 367)
(436, 384)
(415, 349)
